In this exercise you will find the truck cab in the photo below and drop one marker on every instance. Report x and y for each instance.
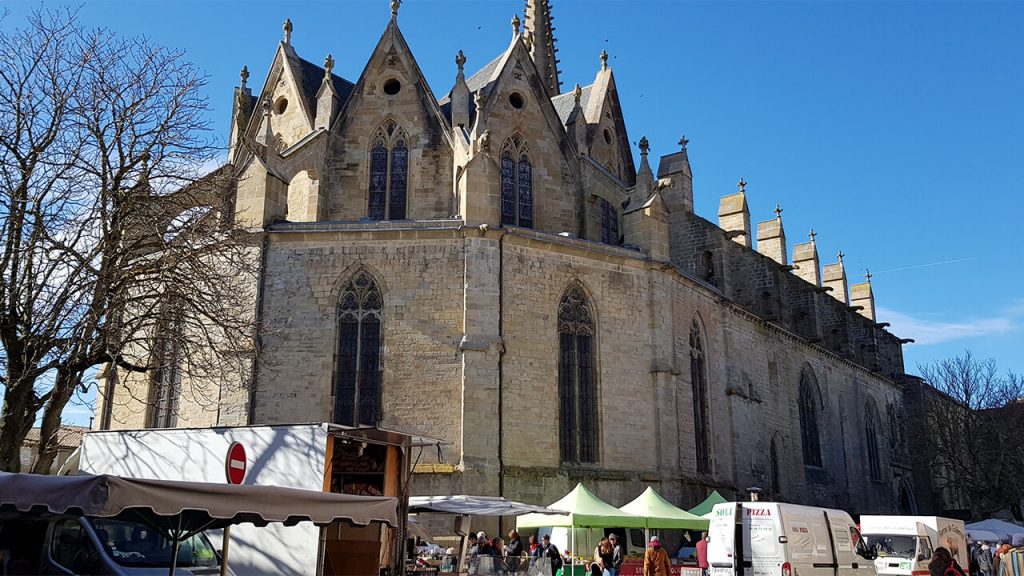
(905, 543)
(68, 545)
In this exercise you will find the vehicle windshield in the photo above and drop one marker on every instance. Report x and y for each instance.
(135, 544)
(895, 545)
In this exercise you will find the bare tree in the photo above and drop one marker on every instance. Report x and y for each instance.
(106, 220)
(974, 421)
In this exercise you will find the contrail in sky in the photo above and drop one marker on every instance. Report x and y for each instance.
(924, 265)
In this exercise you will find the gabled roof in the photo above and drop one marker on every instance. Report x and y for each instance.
(564, 103)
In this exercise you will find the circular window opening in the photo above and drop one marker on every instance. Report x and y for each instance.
(392, 86)
(607, 136)
(516, 100)
(280, 105)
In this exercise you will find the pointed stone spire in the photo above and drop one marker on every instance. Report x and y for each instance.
(515, 25)
(861, 295)
(542, 44)
(834, 277)
(604, 60)
(734, 216)
(576, 125)
(771, 238)
(577, 94)
(288, 31)
(244, 75)
(241, 112)
(266, 137)
(326, 97)
(805, 260)
(644, 174)
(460, 94)
(395, 5)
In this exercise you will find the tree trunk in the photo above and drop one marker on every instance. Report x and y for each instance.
(49, 432)
(18, 414)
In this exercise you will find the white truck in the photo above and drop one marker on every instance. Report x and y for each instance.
(775, 539)
(318, 456)
(905, 543)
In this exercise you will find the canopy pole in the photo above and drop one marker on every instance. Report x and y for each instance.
(224, 551)
(572, 552)
(177, 544)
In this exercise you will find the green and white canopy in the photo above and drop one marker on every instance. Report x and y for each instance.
(704, 508)
(583, 510)
(660, 513)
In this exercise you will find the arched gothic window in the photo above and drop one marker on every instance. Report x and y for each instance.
(165, 386)
(871, 437)
(609, 222)
(699, 381)
(357, 379)
(577, 388)
(389, 173)
(773, 465)
(809, 435)
(516, 184)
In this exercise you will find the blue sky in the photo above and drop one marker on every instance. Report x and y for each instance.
(891, 128)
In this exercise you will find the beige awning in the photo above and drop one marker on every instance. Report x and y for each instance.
(186, 506)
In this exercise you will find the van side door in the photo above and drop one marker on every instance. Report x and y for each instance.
(848, 563)
(723, 555)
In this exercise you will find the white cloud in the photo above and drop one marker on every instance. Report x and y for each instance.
(925, 332)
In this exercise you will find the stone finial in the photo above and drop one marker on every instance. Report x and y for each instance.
(778, 212)
(328, 65)
(287, 31)
(480, 99)
(460, 60)
(683, 141)
(395, 5)
(867, 275)
(266, 107)
(742, 185)
(812, 235)
(577, 93)
(604, 59)
(840, 255)
(645, 146)
(244, 75)
(515, 25)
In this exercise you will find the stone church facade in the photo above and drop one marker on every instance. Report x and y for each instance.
(492, 269)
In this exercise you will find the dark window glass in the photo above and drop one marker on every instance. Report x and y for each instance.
(378, 180)
(577, 388)
(166, 383)
(698, 378)
(609, 223)
(399, 181)
(525, 192)
(774, 466)
(508, 189)
(357, 381)
(809, 420)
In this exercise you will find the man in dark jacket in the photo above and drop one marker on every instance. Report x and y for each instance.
(618, 553)
(550, 551)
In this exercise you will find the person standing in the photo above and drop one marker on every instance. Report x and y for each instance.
(656, 562)
(702, 554)
(603, 556)
(550, 551)
(985, 559)
(514, 550)
(618, 553)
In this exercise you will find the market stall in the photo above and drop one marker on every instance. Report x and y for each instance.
(659, 513)
(583, 510)
(704, 508)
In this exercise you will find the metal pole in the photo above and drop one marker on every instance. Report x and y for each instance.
(224, 551)
(177, 542)
(573, 552)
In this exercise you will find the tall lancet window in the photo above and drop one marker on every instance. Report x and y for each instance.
(516, 184)
(809, 433)
(389, 173)
(871, 420)
(699, 381)
(577, 386)
(357, 377)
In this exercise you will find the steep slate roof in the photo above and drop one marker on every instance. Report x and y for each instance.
(564, 103)
(311, 78)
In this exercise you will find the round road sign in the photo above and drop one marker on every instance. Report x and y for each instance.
(235, 465)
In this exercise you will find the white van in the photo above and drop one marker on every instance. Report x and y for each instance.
(773, 539)
(904, 544)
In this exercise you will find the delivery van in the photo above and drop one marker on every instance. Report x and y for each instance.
(774, 539)
(904, 544)
(66, 545)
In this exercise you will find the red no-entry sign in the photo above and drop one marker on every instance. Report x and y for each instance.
(235, 464)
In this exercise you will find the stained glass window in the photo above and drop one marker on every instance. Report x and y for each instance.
(525, 192)
(399, 178)
(516, 184)
(809, 434)
(609, 222)
(508, 189)
(699, 382)
(378, 180)
(577, 386)
(389, 173)
(357, 378)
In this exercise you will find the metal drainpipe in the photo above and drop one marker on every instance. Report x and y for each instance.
(501, 371)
